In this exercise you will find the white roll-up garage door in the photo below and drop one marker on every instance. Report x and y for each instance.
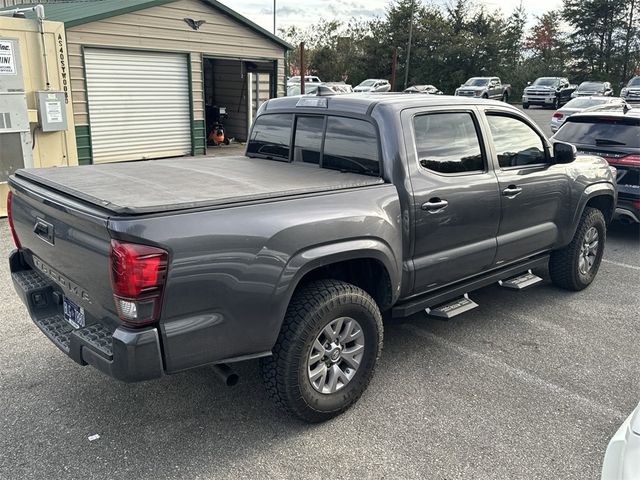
(138, 104)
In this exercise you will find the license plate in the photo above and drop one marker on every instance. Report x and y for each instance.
(73, 314)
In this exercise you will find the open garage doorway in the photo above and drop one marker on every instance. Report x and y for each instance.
(233, 92)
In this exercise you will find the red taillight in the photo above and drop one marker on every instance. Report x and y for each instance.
(636, 203)
(16, 241)
(138, 274)
(558, 115)
(629, 160)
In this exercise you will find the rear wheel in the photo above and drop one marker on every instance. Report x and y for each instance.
(326, 353)
(575, 266)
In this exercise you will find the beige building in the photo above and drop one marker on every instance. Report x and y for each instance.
(23, 140)
(148, 76)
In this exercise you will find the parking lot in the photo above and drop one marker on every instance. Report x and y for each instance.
(529, 385)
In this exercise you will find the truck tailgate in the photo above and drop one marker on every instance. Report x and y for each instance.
(68, 243)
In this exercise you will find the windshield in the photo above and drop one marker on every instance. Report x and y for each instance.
(634, 82)
(591, 86)
(586, 102)
(477, 82)
(546, 82)
(617, 131)
(295, 89)
(367, 83)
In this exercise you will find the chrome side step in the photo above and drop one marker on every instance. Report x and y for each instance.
(520, 282)
(452, 308)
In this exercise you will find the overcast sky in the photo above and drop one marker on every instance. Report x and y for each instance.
(306, 12)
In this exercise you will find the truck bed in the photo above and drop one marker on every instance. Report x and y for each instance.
(154, 186)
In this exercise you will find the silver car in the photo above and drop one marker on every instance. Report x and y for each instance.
(429, 89)
(578, 105)
(373, 85)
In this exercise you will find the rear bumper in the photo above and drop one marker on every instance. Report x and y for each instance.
(122, 353)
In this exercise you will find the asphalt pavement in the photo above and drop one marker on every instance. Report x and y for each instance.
(530, 385)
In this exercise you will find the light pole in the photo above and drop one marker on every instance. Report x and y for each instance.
(274, 17)
(406, 67)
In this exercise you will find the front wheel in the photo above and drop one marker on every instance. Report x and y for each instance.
(505, 97)
(556, 103)
(326, 352)
(525, 106)
(575, 266)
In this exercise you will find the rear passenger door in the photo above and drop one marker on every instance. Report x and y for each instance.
(456, 203)
(534, 191)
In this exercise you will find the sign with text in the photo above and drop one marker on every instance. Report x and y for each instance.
(7, 58)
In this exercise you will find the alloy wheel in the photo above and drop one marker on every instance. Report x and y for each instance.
(335, 355)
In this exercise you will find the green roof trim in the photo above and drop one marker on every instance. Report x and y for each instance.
(73, 14)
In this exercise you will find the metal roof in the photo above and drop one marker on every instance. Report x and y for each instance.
(80, 12)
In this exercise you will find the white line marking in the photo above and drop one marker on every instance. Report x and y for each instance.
(619, 264)
(518, 373)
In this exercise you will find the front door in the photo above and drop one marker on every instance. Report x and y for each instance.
(456, 207)
(534, 192)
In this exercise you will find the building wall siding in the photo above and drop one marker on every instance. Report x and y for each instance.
(163, 28)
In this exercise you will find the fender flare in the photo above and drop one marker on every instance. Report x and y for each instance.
(318, 256)
(595, 190)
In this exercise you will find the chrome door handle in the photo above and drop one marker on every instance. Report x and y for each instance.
(512, 191)
(434, 205)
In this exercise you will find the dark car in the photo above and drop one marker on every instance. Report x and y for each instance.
(612, 132)
(590, 89)
(548, 92)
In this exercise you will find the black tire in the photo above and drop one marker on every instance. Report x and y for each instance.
(505, 97)
(485, 96)
(556, 103)
(564, 265)
(525, 106)
(312, 308)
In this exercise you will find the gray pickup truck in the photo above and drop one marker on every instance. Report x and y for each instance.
(344, 208)
(485, 87)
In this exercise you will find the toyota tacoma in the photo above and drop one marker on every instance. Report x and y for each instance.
(344, 208)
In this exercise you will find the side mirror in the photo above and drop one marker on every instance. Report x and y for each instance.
(564, 152)
(528, 83)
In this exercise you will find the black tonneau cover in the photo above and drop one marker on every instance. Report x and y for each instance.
(163, 185)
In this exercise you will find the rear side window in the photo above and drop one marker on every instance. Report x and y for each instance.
(308, 140)
(448, 143)
(351, 145)
(271, 136)
(601, 132)
(516, 143)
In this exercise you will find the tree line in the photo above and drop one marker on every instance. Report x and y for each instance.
(584, 39)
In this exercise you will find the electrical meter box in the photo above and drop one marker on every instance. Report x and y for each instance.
(52, 113)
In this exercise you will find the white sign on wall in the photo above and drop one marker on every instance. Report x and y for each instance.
(7, 59)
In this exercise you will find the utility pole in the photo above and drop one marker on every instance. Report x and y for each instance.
(274, 17)
(406, 68)
(301, 68)
(394, 67)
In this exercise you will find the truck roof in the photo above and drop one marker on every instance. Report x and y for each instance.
(363, 103)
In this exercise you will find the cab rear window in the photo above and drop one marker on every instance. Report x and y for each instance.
(600, 131)
(329, 141)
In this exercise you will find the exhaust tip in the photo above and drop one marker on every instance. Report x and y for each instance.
(232, 380)
(226, 375)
